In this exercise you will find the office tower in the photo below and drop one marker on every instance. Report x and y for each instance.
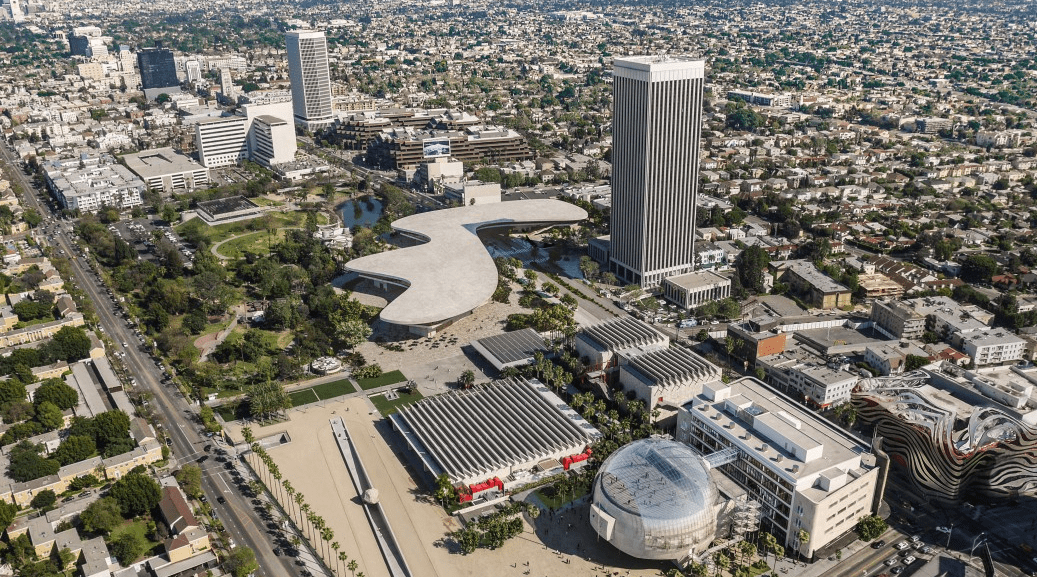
(226, 83)
(311, 80)
(221, 141)
(157, 72)
(271, 141)
(657, 121)
(126, 58)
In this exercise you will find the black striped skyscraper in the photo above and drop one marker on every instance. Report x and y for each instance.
(657, 121)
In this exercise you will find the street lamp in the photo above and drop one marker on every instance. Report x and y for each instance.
(975, 544)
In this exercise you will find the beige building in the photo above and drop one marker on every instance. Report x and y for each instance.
(898, 319)
(806, 474)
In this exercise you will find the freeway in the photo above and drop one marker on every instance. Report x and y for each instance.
(179, 417)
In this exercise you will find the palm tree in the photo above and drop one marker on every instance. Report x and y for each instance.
(300, 500)
(290, 491)
(306, 511)
(335, 547)
(352, 566)
(328, 535)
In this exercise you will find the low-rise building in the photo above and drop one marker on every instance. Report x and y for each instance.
(166, 170)
(696, 288)
(666, 377)
(898, 319)
(89, 183)
(819, 289)
(600, 345)
(991, 347)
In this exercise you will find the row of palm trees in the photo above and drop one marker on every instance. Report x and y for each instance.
(293, 501)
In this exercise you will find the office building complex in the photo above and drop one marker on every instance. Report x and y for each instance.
(311, 80)
(157, 72)
(193, 70)
(226, 83)
(259, 132)
(221, 141)
(166, 170)
(406, 148)
(271, 140)
(655, 166)
(805, 473)
(954, 434)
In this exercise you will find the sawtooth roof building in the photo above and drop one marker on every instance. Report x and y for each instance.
(507, 429)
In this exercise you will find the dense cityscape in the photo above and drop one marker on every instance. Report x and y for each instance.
(465, 288)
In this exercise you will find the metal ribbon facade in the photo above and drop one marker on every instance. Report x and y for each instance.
(949, 458)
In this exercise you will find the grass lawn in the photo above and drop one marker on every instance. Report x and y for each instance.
(387, 407)
(334, 389)
(232, 411)
(303, 397)
(138, 527)
(256, 242)
(390, 378)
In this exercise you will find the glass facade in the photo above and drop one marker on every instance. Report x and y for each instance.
(654, 499)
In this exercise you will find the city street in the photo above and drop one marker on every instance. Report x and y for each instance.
(178, 416)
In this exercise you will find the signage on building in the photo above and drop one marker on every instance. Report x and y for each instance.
(435, 147)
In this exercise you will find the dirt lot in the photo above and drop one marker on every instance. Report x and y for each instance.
(557, 544)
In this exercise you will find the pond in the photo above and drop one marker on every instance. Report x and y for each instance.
(364, 211)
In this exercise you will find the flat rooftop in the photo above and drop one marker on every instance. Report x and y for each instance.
(160, 162)
(775, 424)
(227, 205)
(452, 273)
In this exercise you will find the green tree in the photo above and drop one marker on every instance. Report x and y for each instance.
(26, 464)
(978, 268)
(8, 511)
(110, 427)
(190, 478)
(32, 217)
(467, 379)
(50, 416)
(136, 493)
(751, 265)
(870, 527)
(43, 499)
(101, 516)
(241, 562)
(58, 393)
(75, 449)
(914, 362)
(128, 546)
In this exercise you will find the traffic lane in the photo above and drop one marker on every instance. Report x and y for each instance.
(871, 561)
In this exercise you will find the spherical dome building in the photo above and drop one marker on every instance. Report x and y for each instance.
(654, 499)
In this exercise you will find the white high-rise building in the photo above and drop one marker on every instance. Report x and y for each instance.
(226, 83)
(657, 122)
(221, 141)
(272, 140)
(311, 79)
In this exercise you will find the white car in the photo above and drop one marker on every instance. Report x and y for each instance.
(902, 545)
(909, 559)
(891, 561)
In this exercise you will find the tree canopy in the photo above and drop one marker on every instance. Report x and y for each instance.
(136, 494)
